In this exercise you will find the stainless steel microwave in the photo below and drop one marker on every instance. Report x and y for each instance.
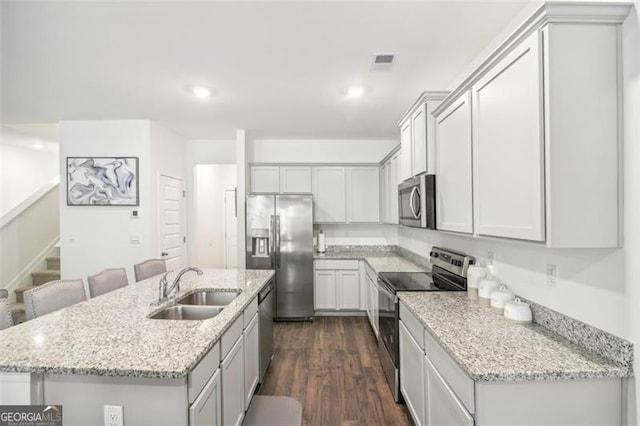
(417, 202)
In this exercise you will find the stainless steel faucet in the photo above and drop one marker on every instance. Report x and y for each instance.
(166, 290)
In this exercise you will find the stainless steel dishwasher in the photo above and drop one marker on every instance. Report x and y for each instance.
(265, 309)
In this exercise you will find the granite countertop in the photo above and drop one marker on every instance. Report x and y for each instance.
(380, 261)
(491, 348)
(110, 335)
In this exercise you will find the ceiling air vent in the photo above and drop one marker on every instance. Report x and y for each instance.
(383, 59)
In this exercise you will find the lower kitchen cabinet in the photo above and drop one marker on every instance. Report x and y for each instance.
(232, 367)
(412, 375)
(251, 359)
(337, 285)
(324, 288)
(441, 405)
(372, 298)
(206, 410)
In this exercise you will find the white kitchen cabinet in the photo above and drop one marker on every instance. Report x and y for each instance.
(374, 319)
(412, 375)
(384, 210)
(508, 146)
(265, 179)
(325, 290)
(363, 195)
(232, 371)
(206, 410)
(419, 140)
(405, 149)
(389, 180)
(329, 194)
(295, 180)
(251, 359)
(454, 199)
(348, 290)
(442, 406)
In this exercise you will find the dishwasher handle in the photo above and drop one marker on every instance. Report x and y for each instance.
(265, 292)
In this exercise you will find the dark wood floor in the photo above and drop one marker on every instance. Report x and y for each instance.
(331, 366)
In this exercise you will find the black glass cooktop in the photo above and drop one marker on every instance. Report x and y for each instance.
(416, 281)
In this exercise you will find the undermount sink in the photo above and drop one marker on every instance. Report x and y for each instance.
(185, 312)
(208, 297)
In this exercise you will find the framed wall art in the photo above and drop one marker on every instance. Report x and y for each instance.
(102, 181)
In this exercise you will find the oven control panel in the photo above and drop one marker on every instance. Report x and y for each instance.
(453, 261)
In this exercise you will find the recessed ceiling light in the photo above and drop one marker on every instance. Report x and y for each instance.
(38, 146)
(201, 92)
(355, 91)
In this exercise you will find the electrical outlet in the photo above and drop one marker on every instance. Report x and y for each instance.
(491, 258)
(552, 275)
(113, 415)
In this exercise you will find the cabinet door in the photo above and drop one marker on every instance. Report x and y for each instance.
(412, 375)
(442, 406)
(348, 288)
(329, 194)
(265, 179)
(419, 140)
(325, 290)
(295, 180)
(373, 306)
(251, 360)
(393, 189)
(508, 146)
(363, 195)
(454, 203)
(384, 213)
(206, 410)
(233, 385)
(405, 149)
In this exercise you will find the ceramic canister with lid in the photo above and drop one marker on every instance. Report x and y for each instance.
(518, 311)
(485, 287)
(499, 298)
(474, 274)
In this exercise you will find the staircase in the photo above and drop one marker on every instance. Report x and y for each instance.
(52, 273)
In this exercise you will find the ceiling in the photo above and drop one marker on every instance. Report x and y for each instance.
(279, 69)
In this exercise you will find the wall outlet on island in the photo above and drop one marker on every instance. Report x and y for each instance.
(113, 415)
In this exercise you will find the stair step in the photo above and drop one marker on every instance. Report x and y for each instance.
(18, 313)
(53, 262)
(19, 291)
(42, 277)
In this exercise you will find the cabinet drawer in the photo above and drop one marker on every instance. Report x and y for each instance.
(415, 328)
(250, 311)
(203, 371)
(230, 336)
(336, 264)
(459, 382)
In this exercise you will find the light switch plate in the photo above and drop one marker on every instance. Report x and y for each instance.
(552, 275)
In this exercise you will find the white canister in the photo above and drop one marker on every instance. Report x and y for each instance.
(499, 298)
(518, 311)
(485, 288)
(474, 274)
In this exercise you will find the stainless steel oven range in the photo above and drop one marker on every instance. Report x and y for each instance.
(448, 273)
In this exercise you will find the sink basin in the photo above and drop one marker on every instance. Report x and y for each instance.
(182, 312)
(208, 298)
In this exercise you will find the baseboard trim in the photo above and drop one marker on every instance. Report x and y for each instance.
(340, 313)
(26, 272)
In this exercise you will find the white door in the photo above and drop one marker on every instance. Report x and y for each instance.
(171, 222)
(348, 290)
(325, 290)
(230, 230)
(406, 149)
(329, 195)
(419, 140)
(363, 195)
(251, 359)
(412, 375)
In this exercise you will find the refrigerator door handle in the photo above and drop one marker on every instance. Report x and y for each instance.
(277, 238)
(272, 220)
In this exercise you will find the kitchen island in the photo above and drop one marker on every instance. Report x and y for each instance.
(106, 351)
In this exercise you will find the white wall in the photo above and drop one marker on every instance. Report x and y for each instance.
(318, 151)
(93, 238)
(25, 169)
(357, 234)
(211, 181)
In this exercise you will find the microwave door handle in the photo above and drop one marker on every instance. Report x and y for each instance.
(412, 202)
(417, 199)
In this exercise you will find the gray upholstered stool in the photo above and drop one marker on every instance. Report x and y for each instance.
(6, 320)
(106, 281)
(53, 296)
(268, 410)
(149, 268)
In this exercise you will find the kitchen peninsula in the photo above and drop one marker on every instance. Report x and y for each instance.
(106, 351)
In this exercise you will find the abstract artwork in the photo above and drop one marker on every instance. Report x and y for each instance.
(102, 181)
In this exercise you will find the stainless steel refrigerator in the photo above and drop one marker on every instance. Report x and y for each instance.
(280, 236)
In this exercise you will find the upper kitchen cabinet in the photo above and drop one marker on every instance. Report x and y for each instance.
(265, 179)
(417, 136)
(329, 194)
(454, 197)
(389, 180)
(280, 179)
(546, 131)
(295, 180)
(363, 195)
